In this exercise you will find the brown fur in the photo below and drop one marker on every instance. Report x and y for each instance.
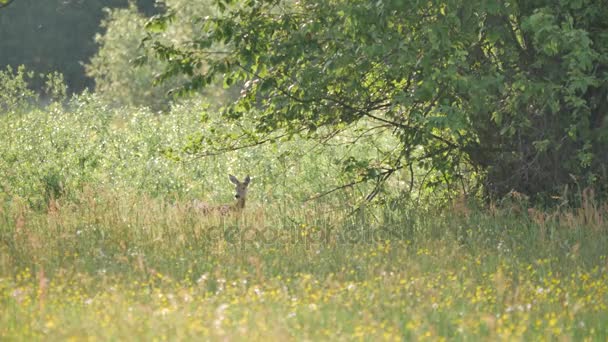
(225, 209)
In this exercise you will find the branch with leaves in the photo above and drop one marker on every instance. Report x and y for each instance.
(457, 82)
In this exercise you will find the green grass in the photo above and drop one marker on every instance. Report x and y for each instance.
(96, 242)
(124, 267)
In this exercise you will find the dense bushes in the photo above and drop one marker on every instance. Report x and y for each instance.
(58, 150)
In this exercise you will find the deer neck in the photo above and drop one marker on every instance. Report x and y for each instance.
(240, 204)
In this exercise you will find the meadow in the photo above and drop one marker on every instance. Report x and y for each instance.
(98, 242)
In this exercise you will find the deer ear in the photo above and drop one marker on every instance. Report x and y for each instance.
(247, 180)
(233, 179)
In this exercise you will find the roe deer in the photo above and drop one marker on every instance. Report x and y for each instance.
(224, 209)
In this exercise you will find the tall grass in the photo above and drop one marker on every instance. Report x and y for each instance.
(120, 266)
(97, 241)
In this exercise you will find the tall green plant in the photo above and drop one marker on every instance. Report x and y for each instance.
(15, 94)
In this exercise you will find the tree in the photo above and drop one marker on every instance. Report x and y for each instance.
(112, 67)
(116, 78)
(516, 91)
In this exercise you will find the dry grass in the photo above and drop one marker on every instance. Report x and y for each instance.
(125, 266)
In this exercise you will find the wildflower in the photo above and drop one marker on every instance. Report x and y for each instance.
(202, 278)
(541, 290)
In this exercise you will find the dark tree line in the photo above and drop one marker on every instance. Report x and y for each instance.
(4, 3)
(54, 35)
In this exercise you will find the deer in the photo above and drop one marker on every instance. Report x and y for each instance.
(225, 209)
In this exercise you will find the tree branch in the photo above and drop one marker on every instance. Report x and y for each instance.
(241, 147)
(323, 194)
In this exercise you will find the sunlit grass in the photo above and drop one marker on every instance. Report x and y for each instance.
(123, 266)
(98, 241)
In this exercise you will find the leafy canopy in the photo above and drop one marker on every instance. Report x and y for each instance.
(514, 92)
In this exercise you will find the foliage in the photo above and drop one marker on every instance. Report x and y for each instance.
(98, 238)
(116, 78)
(15, 94)
(118, 67)
(57, 151)
(511, 92)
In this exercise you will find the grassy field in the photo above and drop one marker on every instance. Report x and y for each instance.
(97, 242)
(122, 268)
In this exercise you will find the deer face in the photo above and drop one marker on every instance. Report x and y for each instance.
(241, 187)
